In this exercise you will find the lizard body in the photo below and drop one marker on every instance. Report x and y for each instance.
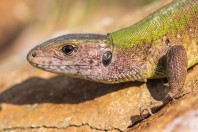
(163, 44)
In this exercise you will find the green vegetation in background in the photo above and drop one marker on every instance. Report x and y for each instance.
(63, 14)
(144, 2)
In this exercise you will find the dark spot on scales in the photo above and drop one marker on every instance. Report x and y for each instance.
(167, 41)
(91, 61)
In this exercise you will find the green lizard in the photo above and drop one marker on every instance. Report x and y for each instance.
(164, 44)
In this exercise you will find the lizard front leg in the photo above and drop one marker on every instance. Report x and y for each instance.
(176, 70)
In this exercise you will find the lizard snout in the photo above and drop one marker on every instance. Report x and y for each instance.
(34, 53)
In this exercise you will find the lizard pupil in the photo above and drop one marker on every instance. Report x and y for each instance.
(106, 58)
(68, 49)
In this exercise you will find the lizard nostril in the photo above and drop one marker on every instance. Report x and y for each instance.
(34, 54)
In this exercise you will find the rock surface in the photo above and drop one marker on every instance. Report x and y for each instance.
(178, 116)
(34, 100)
(65, 103)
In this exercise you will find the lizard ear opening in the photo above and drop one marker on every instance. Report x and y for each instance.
(106, 58)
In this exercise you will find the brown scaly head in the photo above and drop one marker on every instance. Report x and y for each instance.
(84, 56)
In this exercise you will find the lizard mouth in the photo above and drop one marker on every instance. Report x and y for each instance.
(62, 68)
(57, 66)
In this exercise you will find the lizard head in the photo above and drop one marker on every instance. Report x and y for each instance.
(84, 56)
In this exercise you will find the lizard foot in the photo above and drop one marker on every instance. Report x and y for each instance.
(168, 98)
(154, 107)
(145, 108)
(150, 108)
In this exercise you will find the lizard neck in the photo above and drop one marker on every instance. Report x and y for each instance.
(125, 66)
(169, 20)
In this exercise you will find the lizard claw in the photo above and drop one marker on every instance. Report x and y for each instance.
(143, 108)
(168, 98)
(171, 96)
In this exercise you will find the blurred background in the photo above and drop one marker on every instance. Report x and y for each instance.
(26, 23)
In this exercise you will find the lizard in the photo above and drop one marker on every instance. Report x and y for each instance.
(162, 45)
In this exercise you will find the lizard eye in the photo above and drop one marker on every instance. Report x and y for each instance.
(106, 58)
(68, 49)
